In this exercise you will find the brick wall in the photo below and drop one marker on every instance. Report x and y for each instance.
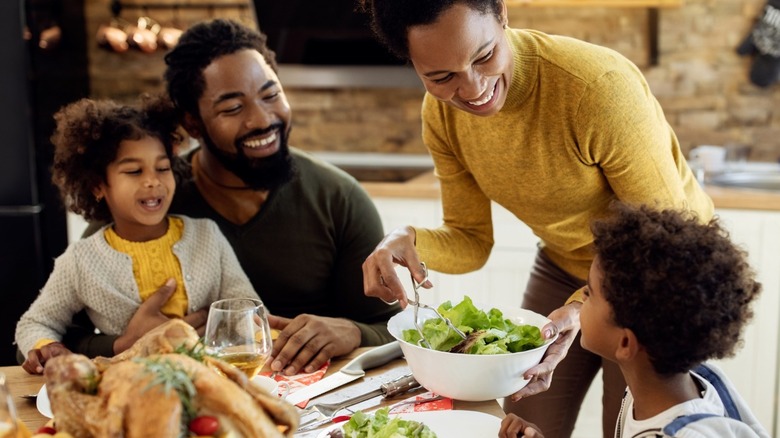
(700, 81)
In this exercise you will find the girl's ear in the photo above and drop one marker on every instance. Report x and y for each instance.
(99, 192)
(192, 125)
(628, 346)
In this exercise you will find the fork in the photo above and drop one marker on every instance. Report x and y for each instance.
(336, 409)
(416, 303)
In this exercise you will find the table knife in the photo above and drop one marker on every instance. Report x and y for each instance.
(355, 369)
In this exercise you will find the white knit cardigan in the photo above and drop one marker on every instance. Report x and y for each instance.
(92, 275)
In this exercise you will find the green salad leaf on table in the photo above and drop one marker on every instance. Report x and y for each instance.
(488, 332)
(382, 425)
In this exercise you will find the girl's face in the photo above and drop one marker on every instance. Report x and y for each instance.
(139, 189)
(600, 335)
(464, 59)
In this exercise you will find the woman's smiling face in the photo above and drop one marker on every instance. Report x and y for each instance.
(464, 59)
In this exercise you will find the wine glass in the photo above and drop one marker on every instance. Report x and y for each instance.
(237, 332)
(7, 411)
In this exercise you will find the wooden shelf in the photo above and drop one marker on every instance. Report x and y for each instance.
(595, 3)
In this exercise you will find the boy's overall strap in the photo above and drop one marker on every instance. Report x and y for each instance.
(678, 423)
(731, 407)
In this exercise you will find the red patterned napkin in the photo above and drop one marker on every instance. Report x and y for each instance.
(298, 381)
(443, 404)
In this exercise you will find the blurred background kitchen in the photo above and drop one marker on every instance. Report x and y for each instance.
(354, 103)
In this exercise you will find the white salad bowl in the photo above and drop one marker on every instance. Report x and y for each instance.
(469, 377)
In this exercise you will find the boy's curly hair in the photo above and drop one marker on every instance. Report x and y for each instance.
(87, 138)
(197, 48)
(391, 19)
(681, 286)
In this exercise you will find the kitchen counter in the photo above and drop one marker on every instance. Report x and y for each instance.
(426, 186)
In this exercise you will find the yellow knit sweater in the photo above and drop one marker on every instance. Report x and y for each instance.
(579, 129)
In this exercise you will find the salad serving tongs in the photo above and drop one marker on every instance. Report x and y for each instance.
(416, 303)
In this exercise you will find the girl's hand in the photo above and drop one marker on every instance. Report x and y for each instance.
(37, 358)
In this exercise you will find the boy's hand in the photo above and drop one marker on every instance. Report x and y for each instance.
(37, 358)
(513, 426)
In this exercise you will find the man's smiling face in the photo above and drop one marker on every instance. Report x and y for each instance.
(245, 119)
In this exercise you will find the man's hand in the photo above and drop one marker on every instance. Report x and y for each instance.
(566, 321)
(149, 315)
(37, 358)
(307, 342)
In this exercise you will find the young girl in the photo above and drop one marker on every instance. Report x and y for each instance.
(113, 163)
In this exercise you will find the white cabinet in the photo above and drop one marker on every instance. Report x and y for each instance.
(754, 369)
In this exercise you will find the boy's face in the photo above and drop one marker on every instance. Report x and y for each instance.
(600, 335)
(139, 189)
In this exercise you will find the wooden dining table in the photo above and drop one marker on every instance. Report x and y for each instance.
(20, 383)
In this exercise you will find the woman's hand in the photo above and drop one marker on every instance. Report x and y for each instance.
(513, 426)
(566, 321)
(306, 342)
(37, 358)
(379, 277)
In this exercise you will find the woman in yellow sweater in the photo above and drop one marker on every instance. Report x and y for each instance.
(551, 128)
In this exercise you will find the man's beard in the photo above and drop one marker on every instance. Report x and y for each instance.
(267, 173)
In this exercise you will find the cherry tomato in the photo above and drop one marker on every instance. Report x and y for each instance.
(47, 430)
(204, 425)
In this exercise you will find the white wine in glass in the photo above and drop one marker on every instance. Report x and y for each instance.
(237, 332)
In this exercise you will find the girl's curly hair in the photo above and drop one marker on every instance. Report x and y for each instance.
(681, 286)
(391, 19)
(87, 138)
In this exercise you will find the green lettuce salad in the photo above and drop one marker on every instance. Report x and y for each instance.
(488, 333)
(381, 425)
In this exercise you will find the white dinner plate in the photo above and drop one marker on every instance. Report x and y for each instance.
(447, 423)
(42, 403)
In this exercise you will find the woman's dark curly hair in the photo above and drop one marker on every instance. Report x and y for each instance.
(681, 286)
(197, 48)
(391, 19)
(87, 138)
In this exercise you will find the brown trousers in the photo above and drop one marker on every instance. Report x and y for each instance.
(555, 410)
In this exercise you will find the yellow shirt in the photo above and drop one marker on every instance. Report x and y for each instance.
(579, 129)
(153, 263)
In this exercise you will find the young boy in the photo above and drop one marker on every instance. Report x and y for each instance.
(666, 293)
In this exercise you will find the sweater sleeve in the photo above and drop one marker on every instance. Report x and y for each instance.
(464, 241)
(234, 283)
(51, 312)
(359, 231)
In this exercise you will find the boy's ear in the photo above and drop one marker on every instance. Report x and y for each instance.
(192, 125)
(99, 193)
(628, 346)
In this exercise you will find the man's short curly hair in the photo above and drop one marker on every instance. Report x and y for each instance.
(681, 286)
(197, 48)
(86, 140)
(391, 19)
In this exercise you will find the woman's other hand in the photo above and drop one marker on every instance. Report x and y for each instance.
(379, 277)
(566, 322)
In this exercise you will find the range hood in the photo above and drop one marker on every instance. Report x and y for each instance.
(329, 44)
